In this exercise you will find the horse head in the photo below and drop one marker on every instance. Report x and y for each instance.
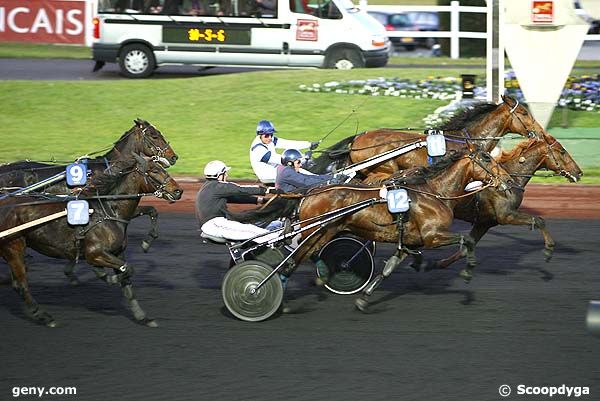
(152, 142)
(559, 160)
(520, 120)
(487, 169)
(157, 179)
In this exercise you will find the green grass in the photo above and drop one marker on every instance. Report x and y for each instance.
(29, 50)
(205, 118)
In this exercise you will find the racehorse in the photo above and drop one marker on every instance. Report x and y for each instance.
(490, 208)
(114, 197)
(433, 192)
(484, 124)
(142, 138)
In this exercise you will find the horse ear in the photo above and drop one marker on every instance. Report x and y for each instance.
(139, 122)
(143, 162)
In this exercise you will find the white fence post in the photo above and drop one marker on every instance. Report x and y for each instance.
(454, 29)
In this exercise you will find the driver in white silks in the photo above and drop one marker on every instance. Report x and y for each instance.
(263, 157)
(211, 206)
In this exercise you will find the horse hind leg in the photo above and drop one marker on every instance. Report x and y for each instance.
(124, 273)
(14, 253)
(477, 232)
(362, 303)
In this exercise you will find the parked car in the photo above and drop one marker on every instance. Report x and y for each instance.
(396, 22)
(425, 21)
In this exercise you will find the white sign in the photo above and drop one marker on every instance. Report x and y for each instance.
(542, 55)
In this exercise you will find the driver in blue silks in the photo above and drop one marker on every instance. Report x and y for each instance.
(290, 179)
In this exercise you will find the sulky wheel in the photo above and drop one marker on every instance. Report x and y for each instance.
(350, 264)
(236, 289)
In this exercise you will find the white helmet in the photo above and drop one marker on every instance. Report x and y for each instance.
(214, 169)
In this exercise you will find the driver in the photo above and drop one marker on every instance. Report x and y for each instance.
(291, 179)
(263, 156)
(211, 205)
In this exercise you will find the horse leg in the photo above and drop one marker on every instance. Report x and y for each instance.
(362, 303)
(14, 254)
(124, 272)
(477, 232)
(153, 233)
(519, 218)
(69, 271)
(436, 239)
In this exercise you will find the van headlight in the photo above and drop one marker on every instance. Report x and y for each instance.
(379, 40)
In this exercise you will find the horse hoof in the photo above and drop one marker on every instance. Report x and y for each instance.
(145, 246)
(148, 322)
(361, 304)
(547, 255)
(467, 275)
(52, 324)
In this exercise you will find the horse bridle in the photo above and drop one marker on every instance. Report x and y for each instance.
(495, 179)
(160, 187)
(157, 150)
(561, 170)
(530, 132)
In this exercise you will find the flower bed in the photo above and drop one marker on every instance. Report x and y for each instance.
(580, 93)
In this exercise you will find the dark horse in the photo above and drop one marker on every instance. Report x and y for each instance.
(142, 138)
(490, 208)
(114, 197)
(484, 124)
(433, 193)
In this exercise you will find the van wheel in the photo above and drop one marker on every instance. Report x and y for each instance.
(345, 59)
(136, 61)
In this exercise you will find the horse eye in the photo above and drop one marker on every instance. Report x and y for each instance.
(486, 157)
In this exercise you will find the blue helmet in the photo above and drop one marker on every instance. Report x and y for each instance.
(290, 156)
(265, 127)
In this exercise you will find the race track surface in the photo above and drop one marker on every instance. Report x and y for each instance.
(429, 336)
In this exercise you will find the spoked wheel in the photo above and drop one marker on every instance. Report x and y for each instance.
(237, 288)
(350, 264)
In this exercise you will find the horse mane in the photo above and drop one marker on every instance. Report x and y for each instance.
(420, 175)
(337, 151)
(136, 122)
(468, 116)
(516, 151)
(278, 207)
(108, 180)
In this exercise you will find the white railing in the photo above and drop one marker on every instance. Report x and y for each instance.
(455, 34)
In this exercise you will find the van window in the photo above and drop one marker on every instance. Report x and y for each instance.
(223, 8)
(325, 9)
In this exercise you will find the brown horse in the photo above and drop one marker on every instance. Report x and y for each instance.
(490, 208)
(101, 243)
(141, 138)
(484, 124)
(433, 193)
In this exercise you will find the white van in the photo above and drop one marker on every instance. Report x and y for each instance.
(143, 34)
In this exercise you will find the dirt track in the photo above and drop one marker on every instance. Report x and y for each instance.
(429, 336)
(570, 201)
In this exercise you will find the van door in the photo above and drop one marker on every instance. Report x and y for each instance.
(315, 25)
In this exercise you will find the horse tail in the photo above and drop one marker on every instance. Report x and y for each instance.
(276, 208)
(337, 155)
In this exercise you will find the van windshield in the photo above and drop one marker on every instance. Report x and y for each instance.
(221, 8)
